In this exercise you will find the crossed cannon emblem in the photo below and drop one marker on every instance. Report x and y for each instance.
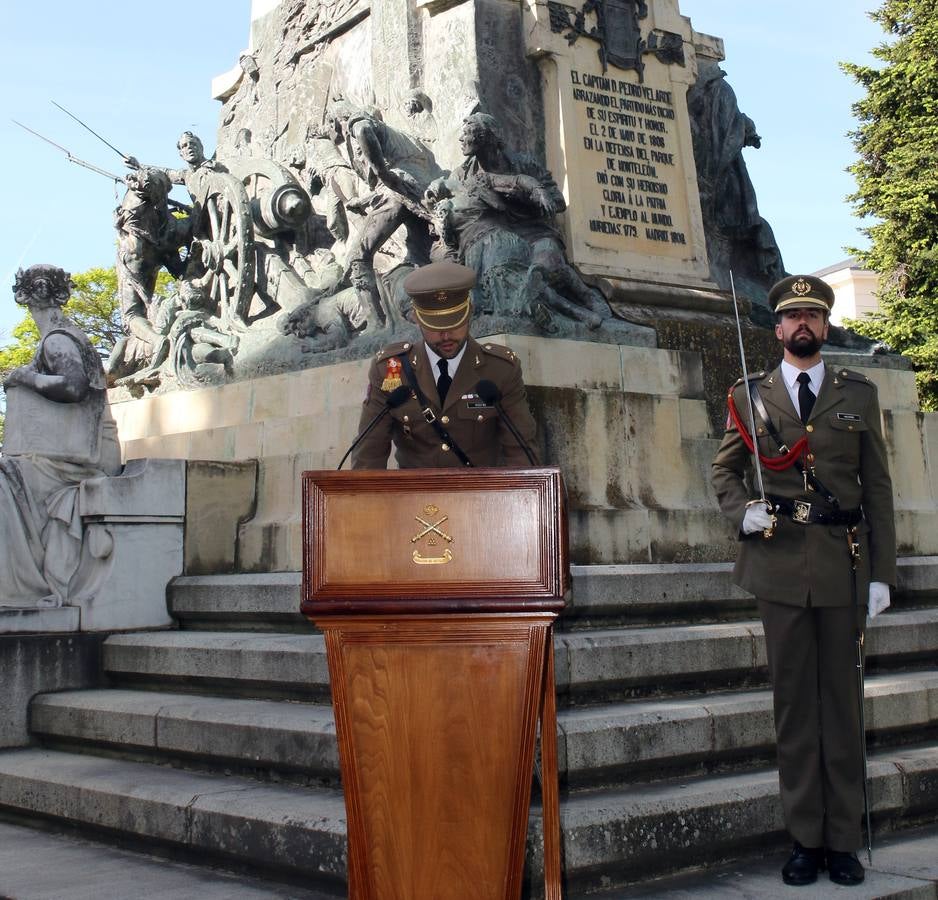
(431, 531)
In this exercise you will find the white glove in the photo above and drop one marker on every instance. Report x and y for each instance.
(879, 598)
(757, 518)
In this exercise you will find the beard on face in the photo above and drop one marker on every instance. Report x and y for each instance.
(447, 349)
(803, 344)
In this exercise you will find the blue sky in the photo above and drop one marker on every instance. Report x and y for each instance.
(140, 78)
(782, 62)
(137, 73)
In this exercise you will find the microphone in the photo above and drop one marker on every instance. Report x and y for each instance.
(398, 397)
(489, 392)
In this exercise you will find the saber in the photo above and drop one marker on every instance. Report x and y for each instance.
(854, 548)
(861, 695)
(866, 793)
(123, 156)
(760, 486)
(78, 162)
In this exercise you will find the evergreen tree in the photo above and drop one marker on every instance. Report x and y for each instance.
(897, 184)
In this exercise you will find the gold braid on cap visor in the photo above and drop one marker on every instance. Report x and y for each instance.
(802, 302)
(421, 315)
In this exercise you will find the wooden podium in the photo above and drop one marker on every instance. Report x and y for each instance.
(437, 590)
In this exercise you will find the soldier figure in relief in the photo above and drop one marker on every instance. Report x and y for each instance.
(496, 215)
(395, 170)
(149, 237)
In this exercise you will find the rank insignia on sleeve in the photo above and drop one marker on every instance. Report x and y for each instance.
(392, 375)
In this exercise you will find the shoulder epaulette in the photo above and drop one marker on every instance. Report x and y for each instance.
(850, 375)
(398, 349)
(500, 351)
(753, 376)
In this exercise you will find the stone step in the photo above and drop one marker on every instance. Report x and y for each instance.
(619, 593)
(646, 739)
(640, 661)
(694, 591)
(273, 735)
(267, 600)
(624, 662)
(609, 837)
(591, 664)
(284, 827)
(240, 662)
(905, 867)
(613, 743)
(272, 599)
(654, 592)
(613, 837)
(37, 865)
(902, 637)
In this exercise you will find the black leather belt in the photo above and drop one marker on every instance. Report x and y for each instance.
(808, 514)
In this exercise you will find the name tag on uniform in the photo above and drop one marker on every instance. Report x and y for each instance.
(474, 401)
(848, 417)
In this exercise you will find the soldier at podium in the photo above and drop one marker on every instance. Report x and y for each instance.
(463, 403)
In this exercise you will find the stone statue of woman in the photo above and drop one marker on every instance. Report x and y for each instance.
(58, 432)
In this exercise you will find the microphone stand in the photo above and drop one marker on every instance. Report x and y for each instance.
(511, 427)
(490, 393)
(396, 398)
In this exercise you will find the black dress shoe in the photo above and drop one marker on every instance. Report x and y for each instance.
(803, 865)
(844, 868)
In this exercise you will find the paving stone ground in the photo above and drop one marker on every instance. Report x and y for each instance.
(905, 865)
(37, 865)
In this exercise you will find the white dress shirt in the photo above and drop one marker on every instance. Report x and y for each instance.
(452, 364)
(790, 375)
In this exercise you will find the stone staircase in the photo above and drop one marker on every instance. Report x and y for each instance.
(216, 742)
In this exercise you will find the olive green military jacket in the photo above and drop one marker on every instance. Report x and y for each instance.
(475, 427)
(849, 455)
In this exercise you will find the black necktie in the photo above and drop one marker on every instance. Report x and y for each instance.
(444, 381)
(806, 396)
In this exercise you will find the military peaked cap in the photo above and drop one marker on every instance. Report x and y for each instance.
(801, 291)
(440, 292)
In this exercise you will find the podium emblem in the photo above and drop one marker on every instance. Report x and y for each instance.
(430, 535)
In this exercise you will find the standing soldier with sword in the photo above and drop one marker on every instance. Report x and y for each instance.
(818, 551)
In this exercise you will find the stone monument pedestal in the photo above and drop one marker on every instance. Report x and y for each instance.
(144, 509)
(631, 428)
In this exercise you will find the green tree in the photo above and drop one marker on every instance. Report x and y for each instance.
(897, 184)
